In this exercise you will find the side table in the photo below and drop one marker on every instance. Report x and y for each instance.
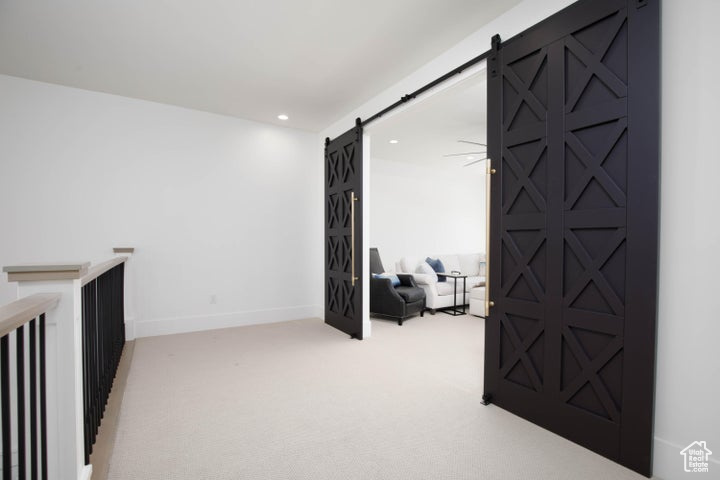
(454, 311)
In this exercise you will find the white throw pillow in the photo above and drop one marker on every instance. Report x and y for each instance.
(425, 268)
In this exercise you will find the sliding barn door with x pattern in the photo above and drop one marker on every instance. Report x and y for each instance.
(343, 232)
(573, 135)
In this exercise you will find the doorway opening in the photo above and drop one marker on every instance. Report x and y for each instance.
(426, 215)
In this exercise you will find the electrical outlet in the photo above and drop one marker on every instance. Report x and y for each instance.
(213, 298)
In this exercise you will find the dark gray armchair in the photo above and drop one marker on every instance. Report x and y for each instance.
(398, 303)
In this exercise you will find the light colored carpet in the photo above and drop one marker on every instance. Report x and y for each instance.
(300, 400)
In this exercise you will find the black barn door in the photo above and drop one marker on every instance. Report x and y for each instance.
(573, 115)
(343, 232)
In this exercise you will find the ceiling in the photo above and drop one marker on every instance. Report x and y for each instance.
(430, 129)
(314, 60)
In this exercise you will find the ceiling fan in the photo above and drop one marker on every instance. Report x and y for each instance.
(469, 153)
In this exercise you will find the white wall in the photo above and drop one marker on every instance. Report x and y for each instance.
(214, 205)
(417, 210)
(688, 365)
(688, 359)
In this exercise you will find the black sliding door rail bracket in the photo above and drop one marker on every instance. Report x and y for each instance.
(411, 96)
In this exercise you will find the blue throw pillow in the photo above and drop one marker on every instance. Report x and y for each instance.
(438, 266)
(393, 278)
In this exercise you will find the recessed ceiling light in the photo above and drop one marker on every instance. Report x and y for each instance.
(282, 116)
(394, 141)
(470, 157)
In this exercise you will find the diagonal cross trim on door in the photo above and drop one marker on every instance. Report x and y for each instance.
(520, 352)
(348, 291)
(522, 173)
(332, 169)
(522, 262)
(524, 91)
(593, 166)
(344, 210)
(348, 167)
(590, 369)
(345, 250)
(333, 253)
(333, 295)
(594, 64)
(333, 215)
(592, 271)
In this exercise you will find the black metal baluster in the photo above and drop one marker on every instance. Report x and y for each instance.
(32, 351)
(96, 364)
(120, 296)
(115, 313)
(92, 323)
(6, 426)
(20, 369)
(86, 373)
(102, 360)
(108, 340)
(95, 359)
(92, 364)
(43, 403)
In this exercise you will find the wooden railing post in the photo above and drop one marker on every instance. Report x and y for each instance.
(65, 439)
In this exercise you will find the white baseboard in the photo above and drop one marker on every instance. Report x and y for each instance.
(668, 462)
(129, 328)
(86, 473)
(173, 325)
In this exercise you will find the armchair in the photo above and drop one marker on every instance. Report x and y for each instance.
(400, 302)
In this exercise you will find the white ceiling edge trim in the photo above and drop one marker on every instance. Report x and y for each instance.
(512, 22)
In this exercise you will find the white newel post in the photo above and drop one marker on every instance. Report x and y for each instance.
(64, 373)
(130, 311)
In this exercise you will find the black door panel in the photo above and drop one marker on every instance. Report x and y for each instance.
(573, 115)
(343, 232)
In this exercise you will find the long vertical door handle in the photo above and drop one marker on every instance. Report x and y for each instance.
(353, 199)
(489, 172)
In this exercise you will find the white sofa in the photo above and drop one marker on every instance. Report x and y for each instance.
(440, 294)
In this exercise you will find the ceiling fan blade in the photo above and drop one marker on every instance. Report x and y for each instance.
(474, 162)
(466, 153)
(472, 143)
